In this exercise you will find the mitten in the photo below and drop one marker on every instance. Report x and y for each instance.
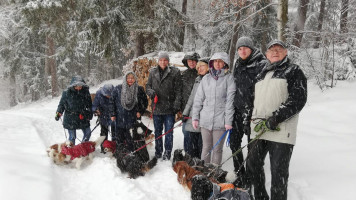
(58, 115)
(155, 100)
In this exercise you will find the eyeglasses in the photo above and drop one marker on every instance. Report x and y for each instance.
(277, 50)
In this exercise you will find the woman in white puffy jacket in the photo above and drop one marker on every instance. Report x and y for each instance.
(213, 107)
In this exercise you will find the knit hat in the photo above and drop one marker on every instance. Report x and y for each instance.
(205, 60)
(163, 54)
(276, 42)
(245, 42)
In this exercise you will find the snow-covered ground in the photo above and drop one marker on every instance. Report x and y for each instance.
(322, 166)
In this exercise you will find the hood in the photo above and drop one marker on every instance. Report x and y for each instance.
(220, 55)
(190, 56)
(107, 89)
(77, 81)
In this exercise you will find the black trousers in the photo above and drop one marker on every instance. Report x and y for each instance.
(123, 136)
(235, 143)
(104, 130)
(279, 155)
(196, 143)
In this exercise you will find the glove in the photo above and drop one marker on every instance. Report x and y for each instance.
(228, 127)
(81, 117)
(185, 118)
(195, 124)
(272, 123)
(247, 130)
(155, 100)
(58, 115)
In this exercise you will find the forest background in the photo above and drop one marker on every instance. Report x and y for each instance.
(43, 43)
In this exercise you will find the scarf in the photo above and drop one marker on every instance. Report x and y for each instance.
(129, 93)
(215, 73)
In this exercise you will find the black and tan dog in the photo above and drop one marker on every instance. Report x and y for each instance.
(135, 163)
(209, 170)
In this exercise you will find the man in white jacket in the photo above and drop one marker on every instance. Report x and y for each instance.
(280, 94)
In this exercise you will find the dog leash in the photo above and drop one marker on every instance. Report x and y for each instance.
(221, 138)
(65, 134)
(180, 124)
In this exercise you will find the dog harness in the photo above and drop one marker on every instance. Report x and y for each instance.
(79, 150)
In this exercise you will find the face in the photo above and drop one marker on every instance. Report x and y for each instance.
(219, 64)
(244, 52)
(78, 88)
(276, 53)
(203, 69)
(130, 79)
(163, 63)
(192, 64)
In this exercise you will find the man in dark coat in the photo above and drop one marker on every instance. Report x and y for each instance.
(127, 104)
(247, 66)
(188, 79)
(100, 108)
(280, 94)
(164, 87)
(76, 105)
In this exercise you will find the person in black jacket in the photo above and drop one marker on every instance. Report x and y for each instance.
(188, 78)
(127, 104)
(101, 109)
(164, 87)
(76, 105)
(248, 65)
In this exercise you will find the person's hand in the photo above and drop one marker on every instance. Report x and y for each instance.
(113, 119)
(195, 124)
(228, 127)
(247, 130)
(272, 123)
(58, 115)
(138, 115)
(97, 113)
(81, 117)
(185, 118)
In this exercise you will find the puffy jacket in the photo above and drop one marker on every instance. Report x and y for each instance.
(188, 111)
(281, 92)
(213, 102)
(245, 75)
(126, 118)
(74, 103)
(167, 89)
(101, 103)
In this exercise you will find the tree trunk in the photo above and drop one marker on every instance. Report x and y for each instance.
(282, 19)
(235, 36)
(320, 23)
(139, 44)
(343, 17)
(299, 27)
(52, 66)
(13, 99)
(184, 12)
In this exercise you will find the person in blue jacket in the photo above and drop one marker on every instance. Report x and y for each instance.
(101, 109)
(127, 104)
(76, 105)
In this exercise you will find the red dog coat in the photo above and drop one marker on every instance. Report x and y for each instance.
(79, 150)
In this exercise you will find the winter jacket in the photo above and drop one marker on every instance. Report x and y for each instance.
(228, 192)
(245, 76)
(281, 92)
(188, 111)
(167, 89)
(188, 77)
(74, 103)
(101, 103)
(213, 102)
(126, 118)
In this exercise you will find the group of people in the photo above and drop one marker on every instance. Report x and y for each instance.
(215, 100)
